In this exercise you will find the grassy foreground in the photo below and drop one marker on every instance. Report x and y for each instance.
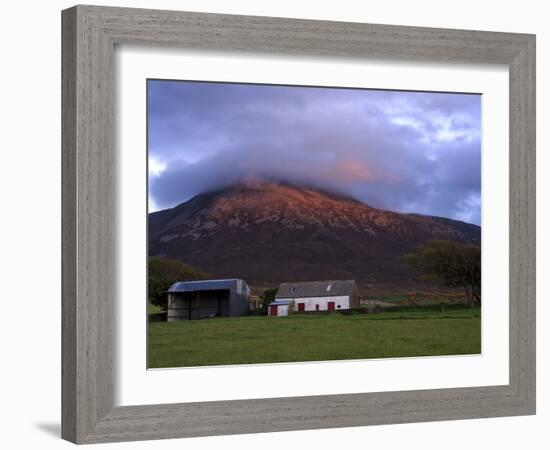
(261, 339)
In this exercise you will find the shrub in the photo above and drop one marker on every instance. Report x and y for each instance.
(162, 273)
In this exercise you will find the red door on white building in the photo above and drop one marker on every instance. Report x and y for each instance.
(330, 306)
(273, 310)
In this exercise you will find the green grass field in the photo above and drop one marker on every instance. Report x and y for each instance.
(335, 336)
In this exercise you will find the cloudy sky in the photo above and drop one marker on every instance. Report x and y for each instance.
(403, 151)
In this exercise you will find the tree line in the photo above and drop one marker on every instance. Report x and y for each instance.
(451, 264)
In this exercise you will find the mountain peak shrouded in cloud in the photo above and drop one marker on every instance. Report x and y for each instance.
(269, 232)
(402, 151)
(267, 184)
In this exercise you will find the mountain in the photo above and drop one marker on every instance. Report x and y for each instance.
(267, 232)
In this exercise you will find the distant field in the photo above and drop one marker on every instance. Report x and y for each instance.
(335, 336)
(419, 299)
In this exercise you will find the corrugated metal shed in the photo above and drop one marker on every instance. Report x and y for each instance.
(181, 295)
(316, 289)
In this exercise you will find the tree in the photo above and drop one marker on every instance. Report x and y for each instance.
(451, 264)
(162, 273)
(265, 299)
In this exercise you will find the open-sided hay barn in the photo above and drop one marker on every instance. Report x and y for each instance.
(189, 300)
(317, 296)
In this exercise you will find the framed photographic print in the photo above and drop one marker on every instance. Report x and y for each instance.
(261, 200)
(306, 210)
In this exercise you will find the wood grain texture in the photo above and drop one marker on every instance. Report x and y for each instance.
(523, 223)
(68, 226)
(88, 211)
(89, 36)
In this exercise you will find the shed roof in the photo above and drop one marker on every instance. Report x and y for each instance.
(316, 289)
(207, 285)
(280, 302)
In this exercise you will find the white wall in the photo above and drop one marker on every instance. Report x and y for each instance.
(340, 302)
(30, 225)
(282, 310)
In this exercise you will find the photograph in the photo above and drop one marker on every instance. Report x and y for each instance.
(292, 223)
(263, 225)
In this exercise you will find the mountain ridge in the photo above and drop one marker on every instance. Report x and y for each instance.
(270, 232)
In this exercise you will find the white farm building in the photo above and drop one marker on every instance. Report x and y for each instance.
(315, 296)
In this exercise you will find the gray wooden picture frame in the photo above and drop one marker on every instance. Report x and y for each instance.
(89, 37)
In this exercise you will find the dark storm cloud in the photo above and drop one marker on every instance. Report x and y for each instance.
(403, 151)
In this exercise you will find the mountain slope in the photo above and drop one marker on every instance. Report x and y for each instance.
(267, 233)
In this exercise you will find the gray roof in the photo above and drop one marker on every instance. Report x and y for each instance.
(281, 302)
(208, 285)
(316, 289)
